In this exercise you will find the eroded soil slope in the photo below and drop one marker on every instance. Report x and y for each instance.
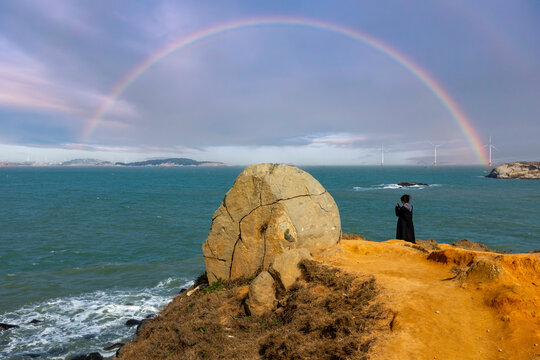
(329, 314)
(450, 303)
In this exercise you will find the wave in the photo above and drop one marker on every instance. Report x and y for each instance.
(392, 187)
(82, 324)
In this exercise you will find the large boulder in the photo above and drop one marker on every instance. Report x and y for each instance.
(271, 208)
(285, 270)
(261, 295)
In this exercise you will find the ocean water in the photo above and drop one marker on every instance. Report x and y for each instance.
(85, 249)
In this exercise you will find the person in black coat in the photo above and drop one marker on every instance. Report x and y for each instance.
(405, 226)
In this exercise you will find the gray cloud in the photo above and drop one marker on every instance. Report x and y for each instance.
(271, 87)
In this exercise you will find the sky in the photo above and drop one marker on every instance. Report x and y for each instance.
(270, 92)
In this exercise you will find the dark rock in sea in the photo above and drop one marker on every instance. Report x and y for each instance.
(141, 326)
(150, 316)
(114, 346)
(408, 183)
(31, 355)
(4, 326)
(35, 321)
(91, 356)
(132, 322)
(182, 290)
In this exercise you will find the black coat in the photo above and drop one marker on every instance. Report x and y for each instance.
(405, 226)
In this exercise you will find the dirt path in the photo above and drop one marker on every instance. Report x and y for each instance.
(435, 316)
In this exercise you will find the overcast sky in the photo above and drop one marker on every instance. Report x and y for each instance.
(288, 94)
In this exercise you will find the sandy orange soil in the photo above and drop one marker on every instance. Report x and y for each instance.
(450, 303)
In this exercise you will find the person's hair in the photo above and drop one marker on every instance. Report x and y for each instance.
(405, 198)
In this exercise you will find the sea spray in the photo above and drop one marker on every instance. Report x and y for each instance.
(82, 324)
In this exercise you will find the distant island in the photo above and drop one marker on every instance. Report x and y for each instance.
(86, 162)
(96, 162)
(529, 170)
(172, 162)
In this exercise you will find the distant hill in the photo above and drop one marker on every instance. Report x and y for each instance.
(86, 162)
(171, 162)
(96, 162)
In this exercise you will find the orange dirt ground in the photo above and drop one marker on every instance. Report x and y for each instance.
(451, 303)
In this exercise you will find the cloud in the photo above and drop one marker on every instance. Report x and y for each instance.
(271, 88)
(337, 139)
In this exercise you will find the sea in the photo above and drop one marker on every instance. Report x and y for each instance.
(84, 249)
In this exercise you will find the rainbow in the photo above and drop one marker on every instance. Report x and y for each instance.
(438, 91)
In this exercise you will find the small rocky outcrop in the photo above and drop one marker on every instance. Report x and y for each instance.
(517, 170)
(409, 183)
(4, 326)
(284, 269)
(271, 208)
(470, 245)
(262, 295)
(132, 322)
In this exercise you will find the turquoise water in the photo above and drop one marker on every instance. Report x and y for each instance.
(85, 249)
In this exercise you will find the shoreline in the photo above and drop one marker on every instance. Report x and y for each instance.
(422, 247)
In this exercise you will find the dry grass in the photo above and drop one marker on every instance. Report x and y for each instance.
(327, 315)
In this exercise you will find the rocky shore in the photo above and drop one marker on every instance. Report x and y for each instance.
(283, 286)
(529, 170)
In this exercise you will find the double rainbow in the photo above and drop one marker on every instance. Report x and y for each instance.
(438, 91)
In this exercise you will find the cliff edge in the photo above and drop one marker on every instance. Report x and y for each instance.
(364, 300)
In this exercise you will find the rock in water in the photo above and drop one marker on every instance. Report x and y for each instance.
(409, 183)
(271, 208)
(7, 326)
(132, 322)
(517, 170)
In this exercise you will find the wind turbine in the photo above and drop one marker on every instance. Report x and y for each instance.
(435, 146)
(382, 155)
(490, 146)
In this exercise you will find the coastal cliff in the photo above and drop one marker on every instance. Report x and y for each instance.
(529, 170)
(348, 299)
(364, 300)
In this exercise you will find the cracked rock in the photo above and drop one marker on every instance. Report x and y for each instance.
(271, 208)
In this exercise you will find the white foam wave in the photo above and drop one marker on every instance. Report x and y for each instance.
(392, 187)
(83, 323)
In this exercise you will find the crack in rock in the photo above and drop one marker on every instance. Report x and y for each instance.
(257, 207)
(215, 258)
